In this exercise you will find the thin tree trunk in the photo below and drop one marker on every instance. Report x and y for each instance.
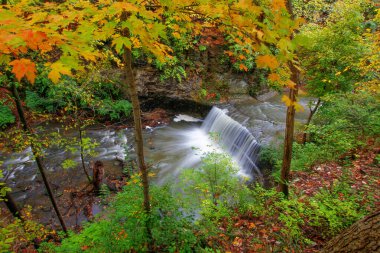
(12, 205)
(312, 112)
(129, 87)
(130, 84)
(81, 154)
(362, 236)
(290, 116)
(288, 143)
(38, 159)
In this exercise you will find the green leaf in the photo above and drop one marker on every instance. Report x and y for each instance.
(68, 164)
(120, 42)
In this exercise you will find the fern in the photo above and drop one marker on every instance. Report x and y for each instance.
(6, 115)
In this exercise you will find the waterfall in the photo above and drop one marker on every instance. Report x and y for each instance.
(235, 138)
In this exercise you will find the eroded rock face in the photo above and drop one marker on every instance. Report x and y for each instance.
(186, 96)
(150, 85)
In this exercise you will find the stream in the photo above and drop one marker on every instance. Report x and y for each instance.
(242, 127)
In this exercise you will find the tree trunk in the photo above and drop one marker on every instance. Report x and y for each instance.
(130, 84)
(288, 143)
(312, 112)
(362, 236)
(38, 159)
(290, 115)
(97, 175)
(12, 205)
(129, 87)
(81, 154)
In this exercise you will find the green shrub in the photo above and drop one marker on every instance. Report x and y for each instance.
(358, 113)
(115, 109)
(124, 229)
(43, 104)
(6, 115)
(171, 69)
(336, 209)
(343, 123)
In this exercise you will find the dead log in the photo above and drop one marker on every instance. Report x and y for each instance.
(362, 237)
(97, 175)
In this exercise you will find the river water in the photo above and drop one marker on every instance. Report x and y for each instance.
(243, 126)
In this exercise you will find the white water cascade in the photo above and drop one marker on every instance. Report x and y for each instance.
(235, 139)
(183, 144)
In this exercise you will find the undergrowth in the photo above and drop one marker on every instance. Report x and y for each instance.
(212, 200)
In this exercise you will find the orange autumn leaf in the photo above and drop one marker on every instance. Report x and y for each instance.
(278, 4)
(24, 68)
(264, 61)
(243, 67)
(238, 41)
(242, 57)
(290, 84)
(251, 225)
(229, 53)
(274, 77)
(36, 40)
(85, 247)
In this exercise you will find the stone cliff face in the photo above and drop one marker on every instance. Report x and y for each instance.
(187, 95)
(150, 85)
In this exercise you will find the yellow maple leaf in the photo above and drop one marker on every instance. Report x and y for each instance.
(135, 42)
(176, 35)
(288, 102)
(90, 56)
(260, 35)
(298, 107)
(58, 69)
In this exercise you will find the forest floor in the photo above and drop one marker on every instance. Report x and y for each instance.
(251, 233)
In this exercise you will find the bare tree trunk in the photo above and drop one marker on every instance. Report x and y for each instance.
(12, 205)
(312, 112)
(81, 153)
(362, 236)
(38, 159)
